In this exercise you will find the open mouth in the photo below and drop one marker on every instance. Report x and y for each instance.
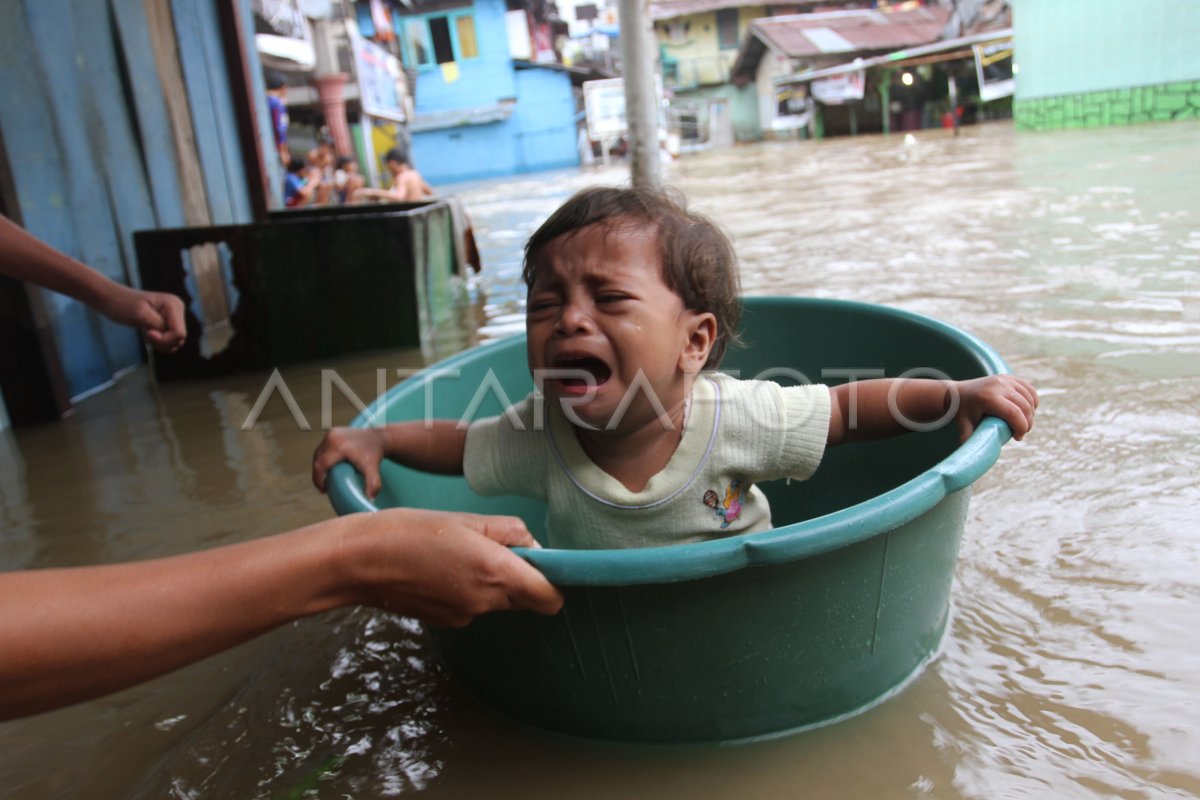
(573, 372)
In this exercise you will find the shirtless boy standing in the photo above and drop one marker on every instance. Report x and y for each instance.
(407, 183)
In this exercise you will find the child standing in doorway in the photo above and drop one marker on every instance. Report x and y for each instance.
(632, 439)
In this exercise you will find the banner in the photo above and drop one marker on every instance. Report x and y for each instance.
(993, 68)
(604, 101)
(382, 85)
(837, 89)
(792, 107)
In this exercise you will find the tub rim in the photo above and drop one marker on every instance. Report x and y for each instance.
(692, 561)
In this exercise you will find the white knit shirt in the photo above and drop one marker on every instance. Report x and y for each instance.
(737, 434)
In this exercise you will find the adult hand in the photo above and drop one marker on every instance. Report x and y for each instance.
(445, 568)
(81, 632)
(158, 315)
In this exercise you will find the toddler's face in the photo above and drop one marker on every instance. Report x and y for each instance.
(603, 325)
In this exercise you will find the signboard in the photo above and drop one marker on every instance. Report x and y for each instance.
(792, 107)
(837, 89)
(604, 102)
(993, 68)
(382, 85)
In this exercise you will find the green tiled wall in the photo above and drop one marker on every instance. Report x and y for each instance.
(1110, 107)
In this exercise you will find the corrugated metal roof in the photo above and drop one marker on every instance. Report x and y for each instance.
(670, 9)
(842, 32)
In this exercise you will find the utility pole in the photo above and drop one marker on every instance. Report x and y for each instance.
(641, 97)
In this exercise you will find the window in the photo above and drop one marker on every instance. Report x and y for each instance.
(429, 41)
(439, 31)
(416, 43)
(727, 28)
(465, 27)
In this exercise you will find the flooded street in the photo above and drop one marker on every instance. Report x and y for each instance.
(1071, 665)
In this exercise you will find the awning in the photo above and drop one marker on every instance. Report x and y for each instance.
(944, 50)
(456, 117)
(284, 52)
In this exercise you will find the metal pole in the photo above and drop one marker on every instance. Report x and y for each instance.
(641, 97)
(885, 98)
(953, 87)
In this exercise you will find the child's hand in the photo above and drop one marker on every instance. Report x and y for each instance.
(1008, 397)
(362, 447)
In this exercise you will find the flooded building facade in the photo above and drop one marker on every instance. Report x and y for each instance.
(1091, 63)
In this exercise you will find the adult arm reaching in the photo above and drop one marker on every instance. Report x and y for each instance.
(158, 315)
(72, 634)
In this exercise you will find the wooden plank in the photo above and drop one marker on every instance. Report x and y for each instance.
(161, 28)
(208, 115)
(117, 153)
(81, 82)
(221, 96)
(243, 66)
(62, 199)
(32, 385)
(150, 112)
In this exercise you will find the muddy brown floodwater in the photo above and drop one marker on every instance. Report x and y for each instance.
(1071, 666)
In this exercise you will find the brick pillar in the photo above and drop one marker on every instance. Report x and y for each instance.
(333, 104)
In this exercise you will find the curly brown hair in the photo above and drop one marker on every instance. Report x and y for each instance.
(698, 261)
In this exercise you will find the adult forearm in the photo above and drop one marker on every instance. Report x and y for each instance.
(26, 258)
(67, 635)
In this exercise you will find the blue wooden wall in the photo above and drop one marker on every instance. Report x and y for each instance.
(539, 135)
(546, 136)
(199, 38)
(91, 152)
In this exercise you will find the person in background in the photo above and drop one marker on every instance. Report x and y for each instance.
(75, 633)
(300, 184)
(408, 186)
(346, 179)
(407, 183)
(277, 104)
(322, 159)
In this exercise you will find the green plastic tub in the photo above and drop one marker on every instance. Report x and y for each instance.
(738, 638)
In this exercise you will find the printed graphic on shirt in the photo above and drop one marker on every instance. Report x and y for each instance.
(729, 508)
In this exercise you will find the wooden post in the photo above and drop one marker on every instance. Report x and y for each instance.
(885, 98)
(953, 87)
(33, 386)
(166, 56)
(641, 97)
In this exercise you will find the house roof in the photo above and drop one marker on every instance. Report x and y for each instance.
(670, 9)
(842, 32)
(838, 33)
